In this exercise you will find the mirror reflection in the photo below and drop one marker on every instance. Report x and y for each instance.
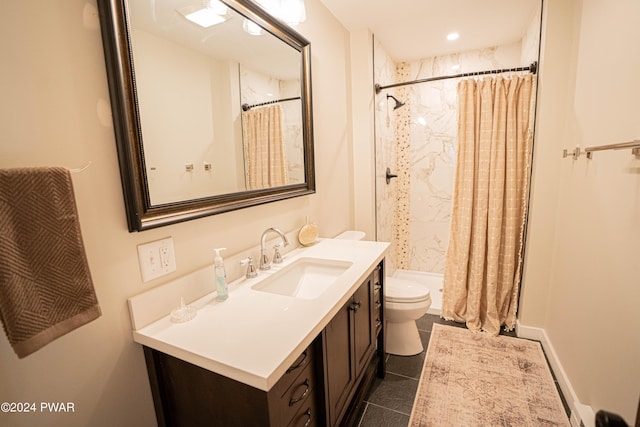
(219, 101)
(179, 74)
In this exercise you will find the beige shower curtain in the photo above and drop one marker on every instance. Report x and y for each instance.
(482, 271)
(264, 154)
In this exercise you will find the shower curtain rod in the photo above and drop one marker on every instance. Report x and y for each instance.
(533, 68)
(247, 107)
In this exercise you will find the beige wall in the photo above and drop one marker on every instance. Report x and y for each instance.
(197, 89)
(363, 98)
(54, 109)
(581, 281)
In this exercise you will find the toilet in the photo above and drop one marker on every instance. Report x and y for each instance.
(405, 302)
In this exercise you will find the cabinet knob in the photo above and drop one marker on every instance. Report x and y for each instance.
(355, 306)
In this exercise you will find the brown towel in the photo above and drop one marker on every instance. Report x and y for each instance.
(46, 289)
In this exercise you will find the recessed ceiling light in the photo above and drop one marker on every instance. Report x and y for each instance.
(455, 67)
(201, 16)
(452, 36)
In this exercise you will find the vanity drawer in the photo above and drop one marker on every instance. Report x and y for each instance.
(377, 277)
(307, 416)
(377, 304)
(377, 318)
(284, 407)
(292, 373)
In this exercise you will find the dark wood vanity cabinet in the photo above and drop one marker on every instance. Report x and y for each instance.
(349, 343)
(323, 387)
(188, 395)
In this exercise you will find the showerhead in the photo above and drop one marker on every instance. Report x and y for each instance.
(398, 103)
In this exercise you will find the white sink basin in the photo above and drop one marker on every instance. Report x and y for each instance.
(305, 278)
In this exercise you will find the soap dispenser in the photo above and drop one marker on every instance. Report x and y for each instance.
(221, 276)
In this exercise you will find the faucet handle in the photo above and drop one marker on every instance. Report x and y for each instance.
(277, 258)
(251, 269)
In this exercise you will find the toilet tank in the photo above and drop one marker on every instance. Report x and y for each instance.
(351, 235)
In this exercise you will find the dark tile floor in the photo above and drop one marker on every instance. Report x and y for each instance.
(390, 400)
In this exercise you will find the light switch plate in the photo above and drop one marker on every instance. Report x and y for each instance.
(156, 258)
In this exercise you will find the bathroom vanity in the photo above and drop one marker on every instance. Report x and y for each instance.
(271, 355)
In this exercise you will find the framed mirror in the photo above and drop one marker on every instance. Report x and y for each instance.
(209, 116)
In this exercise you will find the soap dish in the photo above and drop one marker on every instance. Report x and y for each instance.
(184, 313)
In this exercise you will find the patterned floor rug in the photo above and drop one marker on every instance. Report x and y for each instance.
(473, 379)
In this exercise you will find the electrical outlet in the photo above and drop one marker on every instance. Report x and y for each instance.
(156, 258)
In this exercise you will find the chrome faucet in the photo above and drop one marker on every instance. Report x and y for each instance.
(264, 259)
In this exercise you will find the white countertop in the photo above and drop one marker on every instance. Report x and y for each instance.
(254, 336)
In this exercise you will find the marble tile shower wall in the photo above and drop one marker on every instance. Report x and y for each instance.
(419, 140)
(433, 140)
(403, 144)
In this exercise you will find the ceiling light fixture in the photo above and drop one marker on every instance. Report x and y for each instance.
(452, 36)
(251, 27)
(207, 15)
(292, 12)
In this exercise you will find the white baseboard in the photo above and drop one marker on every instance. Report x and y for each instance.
(581, 415)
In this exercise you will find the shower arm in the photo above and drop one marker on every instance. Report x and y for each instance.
(397, 101)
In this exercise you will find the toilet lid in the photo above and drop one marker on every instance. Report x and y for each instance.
(400, 290)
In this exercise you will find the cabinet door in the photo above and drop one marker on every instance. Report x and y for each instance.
(339, 368)
(363, 309)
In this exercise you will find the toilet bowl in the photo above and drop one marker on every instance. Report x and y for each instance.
(405, 302)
